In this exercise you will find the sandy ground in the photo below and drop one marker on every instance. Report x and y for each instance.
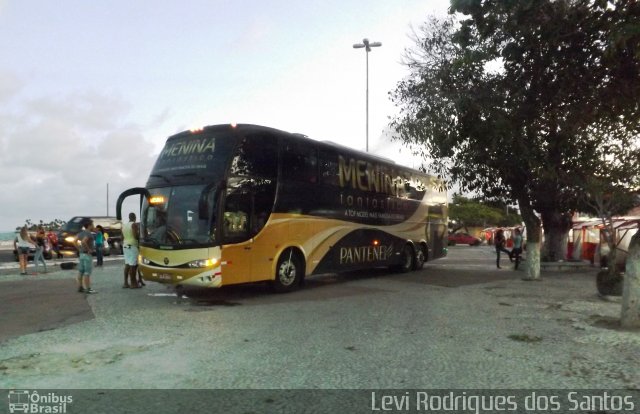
(458, 324)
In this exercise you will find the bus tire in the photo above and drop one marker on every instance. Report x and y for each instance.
(289, 272)
(420, 257)
(407, 258)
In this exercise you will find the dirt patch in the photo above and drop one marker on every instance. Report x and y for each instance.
(61, 363)
(605, 322)
(524, 338)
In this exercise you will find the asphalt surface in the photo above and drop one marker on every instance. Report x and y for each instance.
(39, 305)
(459, 323)
(6, 256)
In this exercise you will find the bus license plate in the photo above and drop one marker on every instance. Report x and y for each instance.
(164, 276)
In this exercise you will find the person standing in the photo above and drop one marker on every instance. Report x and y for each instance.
(39, 254)
(21, 244)
(516, 252)
(499, 242)
(53, 243)
(130, 238)
(85, 262)
(100, 240)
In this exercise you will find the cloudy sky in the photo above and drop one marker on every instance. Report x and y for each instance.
(90, 90)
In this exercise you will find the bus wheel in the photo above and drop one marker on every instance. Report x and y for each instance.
(289, 272)
(420, 258)
(407, 259)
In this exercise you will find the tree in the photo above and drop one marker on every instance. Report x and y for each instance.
(517, 100)
(52, 225)
(472, 212)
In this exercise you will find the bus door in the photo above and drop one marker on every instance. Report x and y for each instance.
(264, 246)
(249, 197)
(247, 208)
(237, 240)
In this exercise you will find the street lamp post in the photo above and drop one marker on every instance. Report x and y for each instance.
(367, 45)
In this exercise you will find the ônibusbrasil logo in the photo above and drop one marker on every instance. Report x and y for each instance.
(25, 401)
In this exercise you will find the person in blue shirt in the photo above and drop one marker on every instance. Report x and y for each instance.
(516, 252)
(100, 241)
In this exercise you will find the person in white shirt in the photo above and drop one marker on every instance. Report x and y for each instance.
(130, 237)
(21, 244)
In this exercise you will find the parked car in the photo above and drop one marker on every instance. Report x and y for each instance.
(463, 238)
(48, 253)
(67, 236)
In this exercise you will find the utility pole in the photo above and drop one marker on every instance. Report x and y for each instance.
(367, 45)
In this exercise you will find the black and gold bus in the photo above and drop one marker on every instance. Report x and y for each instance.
(229, 204)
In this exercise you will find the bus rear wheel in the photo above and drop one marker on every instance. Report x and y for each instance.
(289, 272)
(420, 257)
(407, 258)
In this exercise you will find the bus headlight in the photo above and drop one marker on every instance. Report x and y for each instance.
(70, 239)
(203, 263)
(143, 260)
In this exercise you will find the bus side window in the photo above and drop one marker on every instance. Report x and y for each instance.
(256, 157)
(263, 198)
(300, 162)
(329, 167)
(235, 224)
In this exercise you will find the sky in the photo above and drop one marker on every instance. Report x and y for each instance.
(90, 90)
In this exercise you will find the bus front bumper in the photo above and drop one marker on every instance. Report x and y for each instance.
(204, 281)
(209, 278)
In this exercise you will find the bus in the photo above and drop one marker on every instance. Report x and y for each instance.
(239, 203)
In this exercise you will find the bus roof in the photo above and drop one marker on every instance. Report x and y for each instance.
(368, 154)
(248, 128)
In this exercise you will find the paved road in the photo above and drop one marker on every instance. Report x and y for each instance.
(459, 323)
(8, 264)
(6, 256)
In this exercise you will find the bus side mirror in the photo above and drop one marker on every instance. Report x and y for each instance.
(143, 192)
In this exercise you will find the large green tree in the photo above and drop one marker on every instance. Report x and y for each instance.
(466, 212)
(519, 101)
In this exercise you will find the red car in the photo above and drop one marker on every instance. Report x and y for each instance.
(463, 238)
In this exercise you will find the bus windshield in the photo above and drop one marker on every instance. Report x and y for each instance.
(179, 216)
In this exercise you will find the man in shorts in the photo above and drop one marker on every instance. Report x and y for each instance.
(130, 237)
(86, 248)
